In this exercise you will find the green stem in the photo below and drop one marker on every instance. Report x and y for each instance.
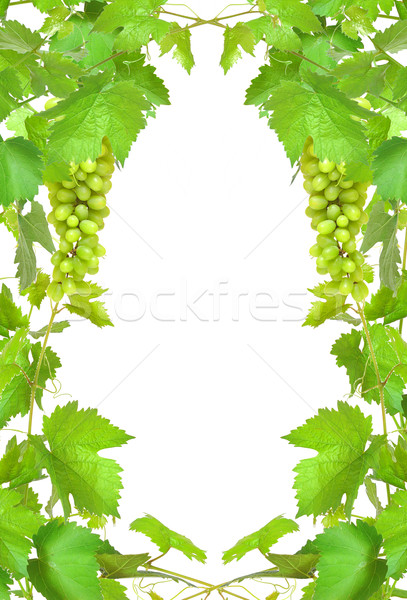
(403, 268)
(399, 593)
(20, 2)
(388, 56)
(388, 17)
(248, 12)
(198, 581)
(102, 62)
(167, 12)
(308, 60)
(379, 381)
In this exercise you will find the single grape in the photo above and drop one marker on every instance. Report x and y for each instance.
(360, 291)
(89, 240)
(330, 252)
(92, 271)
(53, 200)
(88, 166)
(326, 227)
(93, 262)
(57, 257)
(66, 265)
(357, 258)
(321, 271)
(364, 217)
(346, 286)
(77, 276)
(100, 250)
(351, 211)
(320, 182)
(69, 286)
(73, 235)
(342, 235)
(61, 228)
(348, 196)
(357, 274)
(69, 185)
(104, 168)
(104, 212)
(97, 219)
(332, 192)
(66, 196)
(315, 250)
(326, 166)
(342, 221)
(107, 186)
(55, 291)
(348, 265)
(95, 182)
(57, 274)
(54, 187)
(324, 240)
(335, 268)
(310, 212)
(84, 252)
(333, 211)
(51, 218)
(334, 175)
(88, 226)
(349, 246)
(80, 175)
(307, 185)
(354, 228)
(72, 221)
(346, 184)
(83, 192)
(81, 211)
(99, 202)
(63, 212)
(65, 246)
(79, 266)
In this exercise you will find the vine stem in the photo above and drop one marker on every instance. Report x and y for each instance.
(37, 370)
(198, 581)
(379, 381)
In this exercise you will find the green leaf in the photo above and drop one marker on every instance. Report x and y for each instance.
(340, 438)
(262, 539)
(377, 129)
(132, 67)
(165, 538)
(112, 590)
(392, 525)
(284, 67)
(94, 311)
(279, 36)
(17, 37)
(357, 23)
(385, 305)
(323, 113)
(37, 291)
(59, 74)
(75, 437)
(294, 13)
(309, 591)
(317, 49)
(49, 365)
(321, 311)
(400, 84)
(14, 388)
(16, 121)
(349, 567)
(66, 566)
(296, 566)
(98, 109)
(17, 526)
(393, 39)
(390, 465)
(56, 328)
(5, 579)
(358, 75)
(11, 316)
(390, 169)
(21, 170)
(361, 371)
(19, 465)
(239, 35)
(181, 39)
(137, 26)
(121, 566)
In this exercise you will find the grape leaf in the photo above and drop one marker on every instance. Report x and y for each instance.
(349, 567)
(75, 437)
(16, 121)
(37, 291)
(377, 130)
(98, 109)
(294, 13)
(357, 74)
(17, 525)
(390, 464)
(180, 37)
(393, 39)
(121, 566)
(322, 311)
(340, 438)
(5, 579)
(19, 465)
(323, 113)
(392, 525)
(94, 311)
(400, 84)
(132, 67)
(357, 23)
(57, 327)
(239, 35)
(390, 169)
(20, 170)
(309, 591)
(59, 74)
(112, 590)
(136, 23)
(66, 566)
(318, 50)
(14, 388)
(326, 8)
(11, 316)
(17, 37)
(165, 538)
(298, 566)
(385, 305)
(262, 539)
(279, 36)
(284, 67)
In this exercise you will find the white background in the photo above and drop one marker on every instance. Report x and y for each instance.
(204, 202)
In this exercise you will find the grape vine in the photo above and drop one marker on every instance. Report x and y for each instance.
(76, 93)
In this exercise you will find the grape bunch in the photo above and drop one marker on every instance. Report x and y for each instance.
(336, 212)
(79, 209)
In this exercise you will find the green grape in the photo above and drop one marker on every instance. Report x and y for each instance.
(89, 240)
(55, 291)
(322, 263)
(57, 257)
(351, 211)
(63, 212)
(83, 288)
(69, 286)
(51, 218)
(66, 265)
(346, 286)
(311, 167)
(77, 276)
(81, 211)
(364, 217)
(341, 168)
(93, 262)
(332, 288)
(310, 150)
(84, 252)
(330, 252)
(310, 212)
(104, 168)
(349, 246)
(354, 228)
(307, 185)
(320, 182)
(334, 175)
(336, 266)
(321, 271)
(104, 149)
(88, 166)
(333, 211)
(360, 291)
(326, 227)
(96, 218)
(348, 196)
(53, 200)
(83, 192)
(107, 186)
(61, 228)
(57, 274)
(357, 274)
(65, 246)
(94, 182)
(315, 250)
(88, 226)
(342, 235)
(72, 221)
(361, 187)
(80, 175)
(348, 265)
(321, 216)
(99, 202)
(69, 185)
(324, 240)
(332, 192)
(346, 185)
(73, 235)
(99, 250)
(326, 166)
(66, 196)
(357, 258)
(93, 271)
(342, 221)
(104, 212)
(79, 266)
(54, 187)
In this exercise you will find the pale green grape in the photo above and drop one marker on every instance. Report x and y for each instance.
(88, 226)
(95, 182)
(320, 182)
(63, 212)
(351, 211)
(55, 291)
(65, 246)
(83, 192)
(81, 211)
(342, 221)
(332, 192)
(348, 266)
(69, 185)
(88, 166)
(69, 286)
(84, 252)
(348, 196)
(99, 250)
(66, 265)
(72, 221)
(342, 235)
(330, 252)
(346, 286)
(73, 235)
(66, 196)
(326, 227)
(326, 166)
(333, 211)
(99, 202)
(360, 291)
